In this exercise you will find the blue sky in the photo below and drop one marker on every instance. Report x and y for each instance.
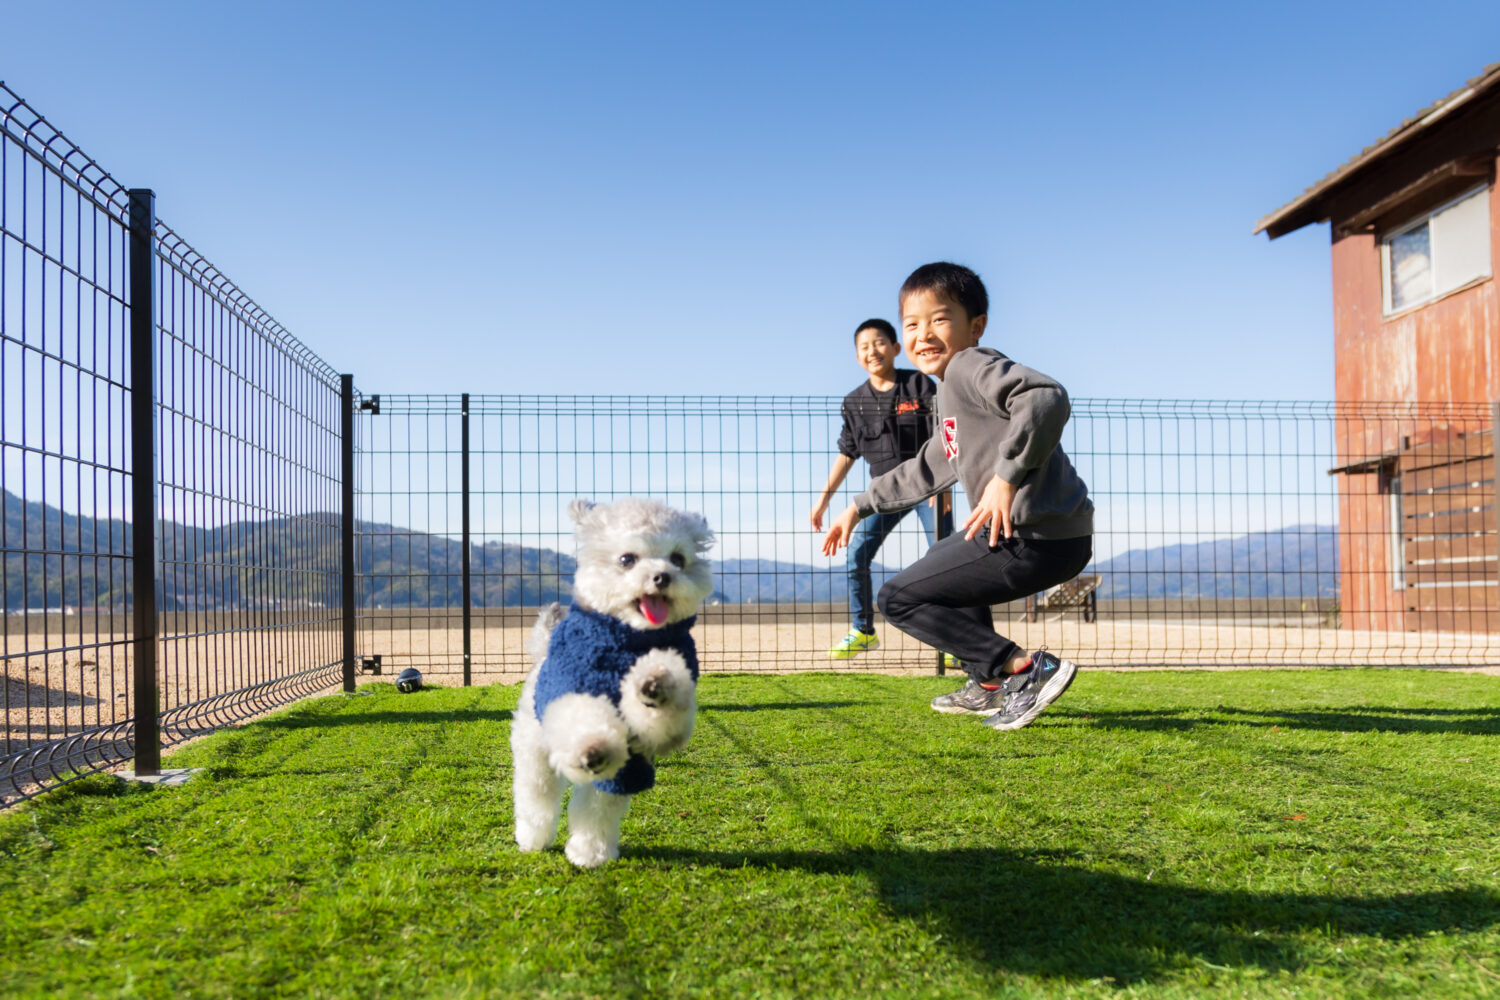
(705, 199)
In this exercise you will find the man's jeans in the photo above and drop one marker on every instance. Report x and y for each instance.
(869, 535)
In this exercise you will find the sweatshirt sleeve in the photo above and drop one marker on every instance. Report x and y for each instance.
(1035, 408)
(909, 483)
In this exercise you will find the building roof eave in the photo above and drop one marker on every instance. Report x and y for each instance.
(1310, 206)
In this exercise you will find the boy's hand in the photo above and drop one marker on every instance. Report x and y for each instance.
(840, 530)
(993, 507)
(816, 517)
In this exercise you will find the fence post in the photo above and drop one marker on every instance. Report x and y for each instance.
(346, 526)
(464, 556)
(143, 501)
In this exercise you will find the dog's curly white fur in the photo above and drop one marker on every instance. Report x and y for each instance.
(658, 700)
(641, 563)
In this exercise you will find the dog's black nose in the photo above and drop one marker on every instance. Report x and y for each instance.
(661, 580)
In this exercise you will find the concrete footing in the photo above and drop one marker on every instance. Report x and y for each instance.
(171, 778)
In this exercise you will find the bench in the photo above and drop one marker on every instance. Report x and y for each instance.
(1079, 592)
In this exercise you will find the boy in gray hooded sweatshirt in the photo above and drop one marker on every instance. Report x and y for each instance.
(998, 430)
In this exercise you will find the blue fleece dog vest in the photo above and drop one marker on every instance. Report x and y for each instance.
(590, 653)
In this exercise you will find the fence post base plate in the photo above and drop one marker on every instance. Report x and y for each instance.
(169, 777)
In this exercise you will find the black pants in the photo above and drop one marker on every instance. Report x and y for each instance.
(944, 598)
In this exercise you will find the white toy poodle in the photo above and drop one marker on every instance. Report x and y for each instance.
(615, 677)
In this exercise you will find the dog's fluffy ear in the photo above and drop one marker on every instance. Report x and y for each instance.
(703, 535)
(579, 510)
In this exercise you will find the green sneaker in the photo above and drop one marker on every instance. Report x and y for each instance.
(853, 644)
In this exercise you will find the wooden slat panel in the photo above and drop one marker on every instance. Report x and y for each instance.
(1425, 456)
(1474, 572)
(1465, 523)
(1458, 547)
(1448, 501)
(1451, 621)
(1474, 470)
(1452, 598)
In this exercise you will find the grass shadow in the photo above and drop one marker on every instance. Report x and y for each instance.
(378, 718)
(777, 706)
(1353, 719)
(1032, 913)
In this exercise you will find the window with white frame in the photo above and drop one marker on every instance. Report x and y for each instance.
(1443, 250)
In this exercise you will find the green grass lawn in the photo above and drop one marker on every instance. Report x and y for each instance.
(1308, 833)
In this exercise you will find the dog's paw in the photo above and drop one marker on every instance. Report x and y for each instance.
(589, 851)
(585, 737)
(658, 700)
(656, 690)
(534, 837)
(659, 680)
(582, 762)
(599, 759)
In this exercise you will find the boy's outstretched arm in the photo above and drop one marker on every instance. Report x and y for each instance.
(841, 466)
(840, 530)
(925, 474)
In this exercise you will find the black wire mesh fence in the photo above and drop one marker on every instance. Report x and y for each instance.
(1227, 533)
(249, 471)
(106, 317)
(63, 446)
(203, 520)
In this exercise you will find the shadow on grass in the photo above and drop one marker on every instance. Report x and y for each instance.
(778, 706)
(437, 716)
(1353, 719)
(448, 716)
(1028, 912)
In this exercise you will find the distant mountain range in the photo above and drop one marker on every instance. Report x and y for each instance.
(54, 560)
(1296, 562)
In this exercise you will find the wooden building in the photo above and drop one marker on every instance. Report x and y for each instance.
(1415, 225)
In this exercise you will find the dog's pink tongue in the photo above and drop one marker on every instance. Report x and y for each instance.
(654, 608)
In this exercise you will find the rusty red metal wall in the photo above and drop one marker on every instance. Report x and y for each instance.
(1445, 351)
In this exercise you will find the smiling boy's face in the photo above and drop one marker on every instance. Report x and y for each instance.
(935, 328)
(876, 352)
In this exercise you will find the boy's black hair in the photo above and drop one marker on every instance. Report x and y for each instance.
(952, 281)
(883, 326)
